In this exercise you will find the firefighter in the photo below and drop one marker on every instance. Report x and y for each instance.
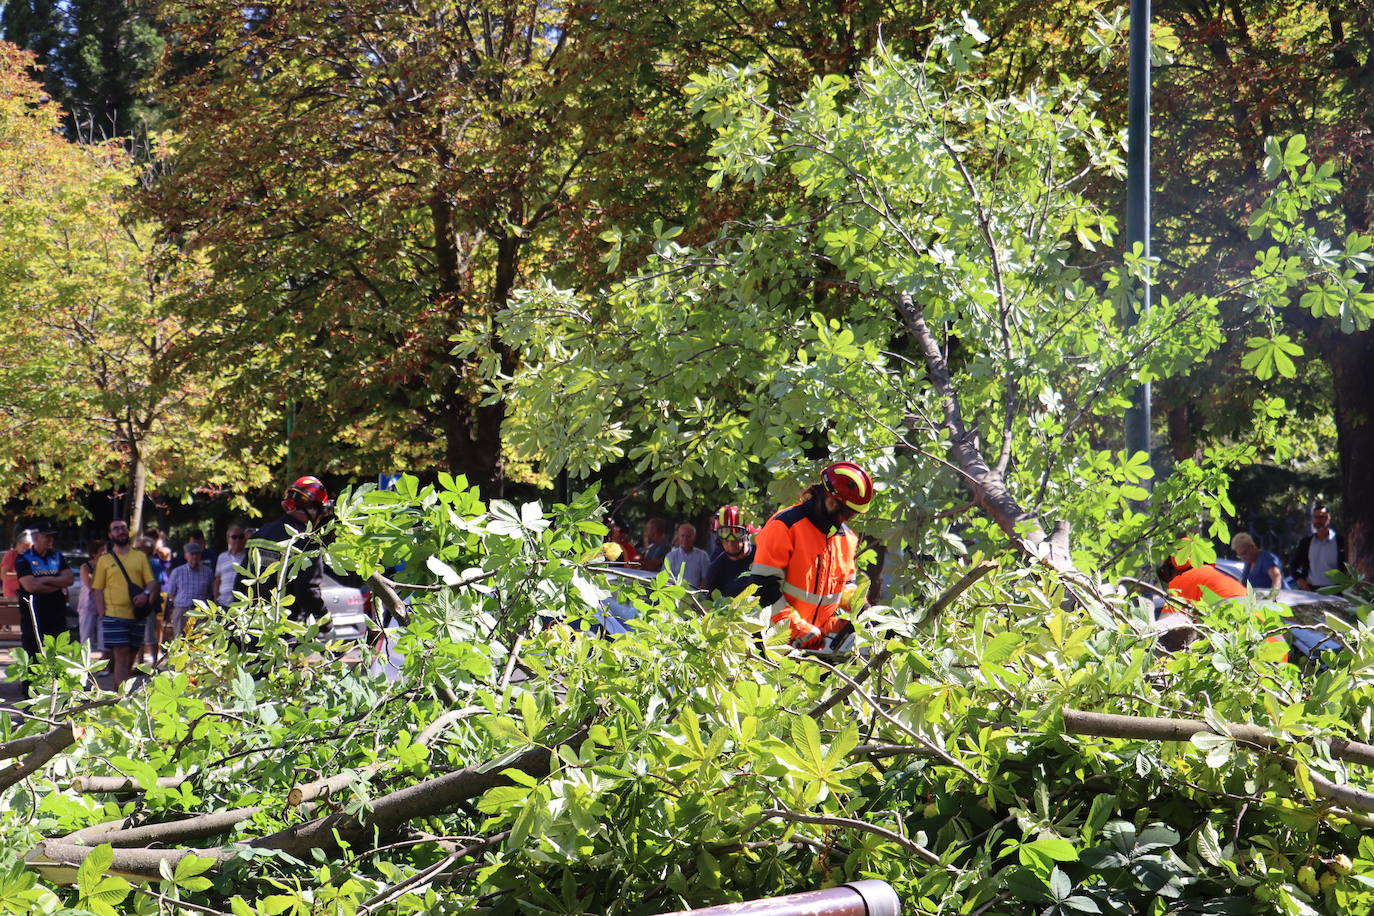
(804, 557)
(729, 573)
(307, 508)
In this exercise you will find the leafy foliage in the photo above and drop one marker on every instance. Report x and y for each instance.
(104, 383)
(688, 767)
(911, 182)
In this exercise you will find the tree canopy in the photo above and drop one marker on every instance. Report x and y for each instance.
(106, 383)
(919, 300)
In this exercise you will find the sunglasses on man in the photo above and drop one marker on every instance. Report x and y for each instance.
(732, 533)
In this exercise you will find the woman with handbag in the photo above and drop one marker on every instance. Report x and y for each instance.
(125, 590)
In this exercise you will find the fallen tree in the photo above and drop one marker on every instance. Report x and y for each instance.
(992, 744)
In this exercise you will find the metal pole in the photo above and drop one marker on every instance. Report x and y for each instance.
(858, 898)
(1138, 204)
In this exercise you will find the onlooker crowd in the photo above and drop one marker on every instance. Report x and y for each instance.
(802, 565)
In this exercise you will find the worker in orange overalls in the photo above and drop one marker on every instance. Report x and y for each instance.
(804, 556)
(1199, 584)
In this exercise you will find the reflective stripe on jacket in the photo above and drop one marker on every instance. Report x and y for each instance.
(809, 569)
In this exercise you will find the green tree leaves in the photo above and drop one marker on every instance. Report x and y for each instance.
(684, 762)
(817, 771)
(106, 386)
(97, 891)
(1270, 355)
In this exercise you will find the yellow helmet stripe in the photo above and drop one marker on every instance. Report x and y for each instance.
(859, 482)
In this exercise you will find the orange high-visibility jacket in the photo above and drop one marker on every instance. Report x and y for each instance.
(802, 571)
(1191, 583)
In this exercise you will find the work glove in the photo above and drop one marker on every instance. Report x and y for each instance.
(805, 636)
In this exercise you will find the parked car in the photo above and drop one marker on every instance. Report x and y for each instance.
(349, 602)
(1233, 568)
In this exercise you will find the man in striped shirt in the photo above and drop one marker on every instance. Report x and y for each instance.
(188, 584)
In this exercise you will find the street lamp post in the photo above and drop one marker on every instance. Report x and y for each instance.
(1138, 204)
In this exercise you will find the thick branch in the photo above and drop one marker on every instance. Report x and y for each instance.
(21, 746)
(381, 587)
(141, 861)
(385, 814)
(40, 750)
(1149, 728)
(331, 784)
(121, 784)
(1106, 725)
(989, 487)
(420, 800)
(200, 827)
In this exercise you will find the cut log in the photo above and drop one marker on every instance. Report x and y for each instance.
(120, 785)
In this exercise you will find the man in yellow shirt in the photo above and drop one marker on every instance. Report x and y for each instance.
(116, 597)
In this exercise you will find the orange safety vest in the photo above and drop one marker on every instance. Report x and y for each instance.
(815, 567)
(1197, 583)
(1190, 583)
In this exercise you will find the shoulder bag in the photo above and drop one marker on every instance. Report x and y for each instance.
(140, 613)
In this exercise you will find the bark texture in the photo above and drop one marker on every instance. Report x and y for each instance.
(39, 752)
(1351, 358)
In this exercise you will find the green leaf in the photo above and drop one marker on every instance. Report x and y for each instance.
(844, 742)
(1303, 777)
(1043, 853)
(1219, 748)
(1273, 159)
(1209, 843)
(1098, 814)
(806, 739)
(97, 891)
(93, 867)
(276, 903)
(1001, 647)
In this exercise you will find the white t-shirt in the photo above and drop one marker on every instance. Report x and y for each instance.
(224, 569)
(1322, 557)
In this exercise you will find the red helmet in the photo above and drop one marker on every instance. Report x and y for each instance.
(729, 524)
(850, 484)
(304, 492)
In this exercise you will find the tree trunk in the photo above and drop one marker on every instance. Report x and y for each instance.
(1182, 440)
(1351, 359)
(472, 432)
(138, 487)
